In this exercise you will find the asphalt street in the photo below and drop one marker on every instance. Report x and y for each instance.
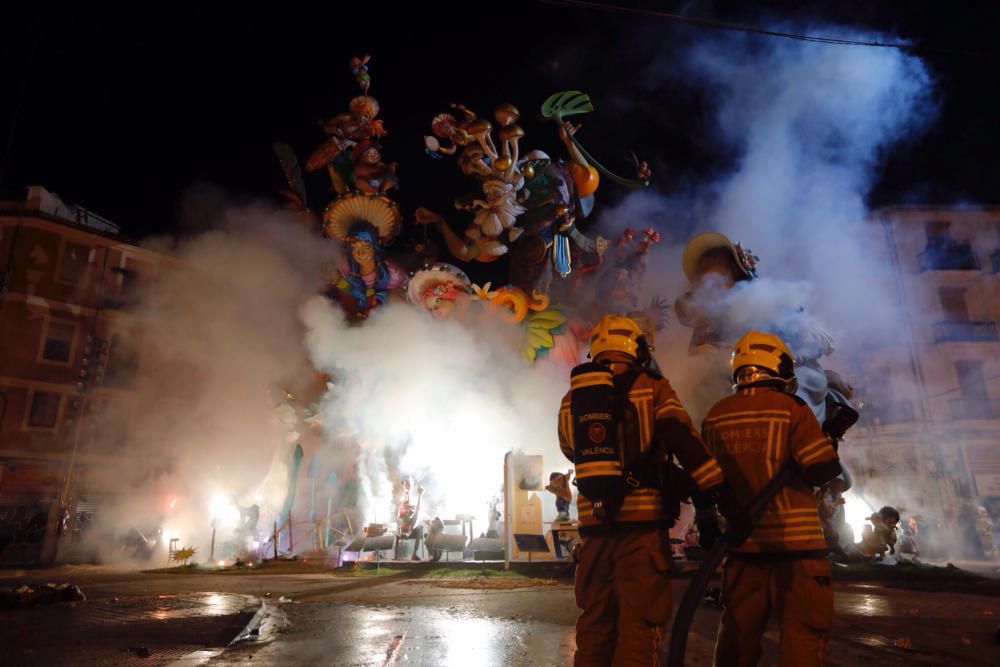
(418, 617)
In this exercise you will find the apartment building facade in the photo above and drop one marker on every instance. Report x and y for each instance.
(68, 359)
(929, 435)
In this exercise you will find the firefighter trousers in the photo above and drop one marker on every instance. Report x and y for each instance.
(798, 592)
(623, 591)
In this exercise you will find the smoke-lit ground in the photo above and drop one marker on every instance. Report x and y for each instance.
(237, 332)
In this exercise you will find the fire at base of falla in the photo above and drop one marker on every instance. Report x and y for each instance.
(533, 210)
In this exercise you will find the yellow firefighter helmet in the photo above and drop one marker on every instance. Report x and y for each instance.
(762, 357)
(615, 333)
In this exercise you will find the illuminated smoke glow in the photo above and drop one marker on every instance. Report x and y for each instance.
(444, 400)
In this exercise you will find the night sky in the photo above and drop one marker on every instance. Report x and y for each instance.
(124, 108)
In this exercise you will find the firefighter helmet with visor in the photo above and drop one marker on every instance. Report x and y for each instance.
(760, 358)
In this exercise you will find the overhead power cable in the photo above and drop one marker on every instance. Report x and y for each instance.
(711, 24)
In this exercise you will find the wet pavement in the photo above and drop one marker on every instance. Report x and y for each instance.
(873, 625)
(130, 630)
(409, 619)
(357, 635)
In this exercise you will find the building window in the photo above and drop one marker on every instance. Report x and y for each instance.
(73, 262)
(944, 253)
(953, 304)
(58, 343)
(44, 409)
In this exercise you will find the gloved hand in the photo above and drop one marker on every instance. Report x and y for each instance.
(738, 522)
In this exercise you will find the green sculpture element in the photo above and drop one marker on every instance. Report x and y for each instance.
(567, 103)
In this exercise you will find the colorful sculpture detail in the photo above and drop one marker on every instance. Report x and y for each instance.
(442, 290)
(526, 205)
(361, 216)
(531, 206)
(493, 161)
(365, 277)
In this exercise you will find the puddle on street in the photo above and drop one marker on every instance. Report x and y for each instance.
(169, 607)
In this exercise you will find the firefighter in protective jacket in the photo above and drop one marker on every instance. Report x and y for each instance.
(782, 567)
(618, 423)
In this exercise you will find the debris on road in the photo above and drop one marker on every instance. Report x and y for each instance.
(28, 596)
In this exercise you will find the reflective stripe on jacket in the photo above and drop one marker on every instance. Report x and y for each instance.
(657, 405)
(752, 433)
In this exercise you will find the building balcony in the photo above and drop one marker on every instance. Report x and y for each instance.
(963, 332)
(894, 412)
(950, 256)
(975, 408)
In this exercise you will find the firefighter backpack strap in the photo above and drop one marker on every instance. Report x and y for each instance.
(596, 450)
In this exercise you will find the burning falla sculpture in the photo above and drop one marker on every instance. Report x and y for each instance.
(529, 205)
(361, 216)
(493, 161)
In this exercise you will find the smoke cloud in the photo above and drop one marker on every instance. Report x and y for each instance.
(441, 400)
(805, 127)
(219, 338)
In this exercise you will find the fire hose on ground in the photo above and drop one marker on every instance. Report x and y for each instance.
(696, 589)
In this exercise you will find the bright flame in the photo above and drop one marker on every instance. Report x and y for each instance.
(172, 504)
(222, 563)
(223, 510)
(856, 513)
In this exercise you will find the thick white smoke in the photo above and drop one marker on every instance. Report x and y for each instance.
(810, 124)
(219, 337)
(807, 125)
(440, 401)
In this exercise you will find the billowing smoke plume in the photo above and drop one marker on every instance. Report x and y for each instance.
(806, 126)
(233, 334)
(220, 337)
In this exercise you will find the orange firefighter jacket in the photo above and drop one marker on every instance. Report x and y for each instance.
(752, 434)
(662, 418)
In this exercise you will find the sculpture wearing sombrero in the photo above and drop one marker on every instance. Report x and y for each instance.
(353, 160)
(359, 176)
(713, 264)
(716, 266)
